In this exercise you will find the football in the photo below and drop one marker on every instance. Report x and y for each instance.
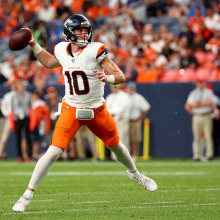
(20, 39)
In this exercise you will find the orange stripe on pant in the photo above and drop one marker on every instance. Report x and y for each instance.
(102, 125)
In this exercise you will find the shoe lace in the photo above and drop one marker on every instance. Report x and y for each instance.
(23, 200)
(142, 179)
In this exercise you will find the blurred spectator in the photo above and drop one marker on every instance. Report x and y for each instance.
(54, 31)
(215, 113)
(215, 5)
(148, 33)
(6, 108)
(113, 3)
(137, 113)
(2, 123)
(152, 8)
(148, 74)
(82, 134)
(8, 68)
(173, 61)
(40, 123)
(148, 51)
(2, 77)
(129, 70)
(198, 43)
(187, 35)
(127, 27)
(24, 71)
(90, 11)
(21, 105)
(213, 43)
(39, 71)
(160, 61)
(196, 4)
(40, 87)
(52, 78)
(164, 34)
(217, 65)
(46, 12)
(118, 103)
(188, 60)
(176, 10)
(124, 38)
(104, 36)
(200, 104)
(103, 12)
(137, 24)
(103, 9)
(167, 51)
(157, 43)
(62, 11)
(211, 19)
(117, 7)
(40, 33)
(32, 6)
(25, 15)
(53, 100)
(76, 6)
(196, 23)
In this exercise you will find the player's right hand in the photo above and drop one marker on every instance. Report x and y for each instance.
(32, 37)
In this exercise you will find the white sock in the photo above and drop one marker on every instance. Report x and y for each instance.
(135, 174)
(122, 154)
(28, 194)
(43, 165)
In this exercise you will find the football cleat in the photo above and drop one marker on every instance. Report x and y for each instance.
(22, 204)
(145, 181)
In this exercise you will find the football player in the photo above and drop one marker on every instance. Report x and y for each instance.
(83, 63)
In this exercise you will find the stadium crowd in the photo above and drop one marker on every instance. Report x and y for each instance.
(166, 52)
(177, 42)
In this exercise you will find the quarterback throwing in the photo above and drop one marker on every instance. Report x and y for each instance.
(83, 63)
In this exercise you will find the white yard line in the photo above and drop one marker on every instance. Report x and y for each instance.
(90, 202)
(117, 208)
(44, 200)
(150, 203)
(121, 192)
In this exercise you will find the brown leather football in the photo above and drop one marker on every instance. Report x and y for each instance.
(20, 39)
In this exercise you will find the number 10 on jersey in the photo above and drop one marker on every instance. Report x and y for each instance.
(73, 82)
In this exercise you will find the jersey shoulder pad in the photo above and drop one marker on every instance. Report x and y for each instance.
(60, 48)
(101, 51)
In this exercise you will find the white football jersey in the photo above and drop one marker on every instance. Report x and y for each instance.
(82, 90)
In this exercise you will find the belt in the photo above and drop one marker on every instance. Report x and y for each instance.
(202, 114)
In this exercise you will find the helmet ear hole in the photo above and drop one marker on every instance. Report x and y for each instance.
(73, 38)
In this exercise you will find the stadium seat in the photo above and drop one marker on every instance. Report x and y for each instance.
(187, 75)
(201, 57)
(170, 76)
(207, 74)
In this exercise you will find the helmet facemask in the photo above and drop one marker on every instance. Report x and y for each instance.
(75, 37)
(70, 36)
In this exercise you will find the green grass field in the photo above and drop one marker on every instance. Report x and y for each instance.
(88, 190)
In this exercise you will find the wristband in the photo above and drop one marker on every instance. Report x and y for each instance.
(36, 48)
(110, 79)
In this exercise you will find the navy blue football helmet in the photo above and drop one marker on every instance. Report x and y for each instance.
(74, 22)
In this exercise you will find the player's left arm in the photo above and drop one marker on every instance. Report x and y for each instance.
(115, 76)
(188, 108)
